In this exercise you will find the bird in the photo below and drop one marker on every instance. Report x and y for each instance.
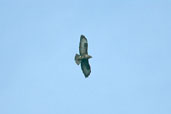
(83, 57)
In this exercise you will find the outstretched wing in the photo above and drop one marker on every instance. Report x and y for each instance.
(85, 67)
(83, 45)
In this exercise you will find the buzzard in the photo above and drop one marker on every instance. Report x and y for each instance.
(83, 57)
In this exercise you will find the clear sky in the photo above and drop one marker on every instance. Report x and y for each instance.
(130, 41)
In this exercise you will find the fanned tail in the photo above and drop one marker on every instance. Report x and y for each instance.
(77, 60)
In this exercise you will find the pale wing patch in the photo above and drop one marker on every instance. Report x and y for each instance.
(83, 45)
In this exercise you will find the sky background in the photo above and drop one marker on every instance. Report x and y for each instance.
(130, 41)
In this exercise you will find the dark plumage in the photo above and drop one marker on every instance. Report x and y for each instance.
(83, 57)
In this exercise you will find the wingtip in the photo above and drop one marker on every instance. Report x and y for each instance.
(82, 36)
(87, 75)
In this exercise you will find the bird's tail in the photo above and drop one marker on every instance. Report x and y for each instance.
(77, 60)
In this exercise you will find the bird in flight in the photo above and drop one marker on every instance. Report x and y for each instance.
(83, 57)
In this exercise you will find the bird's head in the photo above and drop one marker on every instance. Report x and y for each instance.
(89, 56)
(86, 56)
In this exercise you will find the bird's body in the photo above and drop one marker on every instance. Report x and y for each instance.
(83, 57)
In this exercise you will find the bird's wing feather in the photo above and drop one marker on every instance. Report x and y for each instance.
(83, 45)
(85, 66)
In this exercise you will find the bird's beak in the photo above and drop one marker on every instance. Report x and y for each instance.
(90, 56)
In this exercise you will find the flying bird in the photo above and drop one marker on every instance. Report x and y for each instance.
(83, 57)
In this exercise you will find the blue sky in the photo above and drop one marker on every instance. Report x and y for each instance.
(129, 41)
